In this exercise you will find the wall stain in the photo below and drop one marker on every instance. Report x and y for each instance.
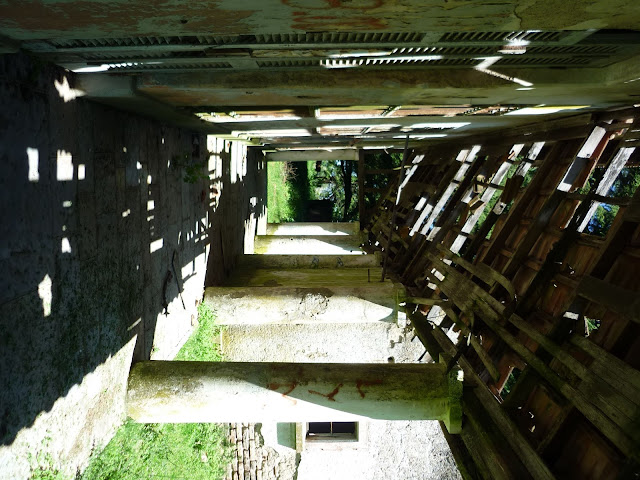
(362, 383)
(329, 395)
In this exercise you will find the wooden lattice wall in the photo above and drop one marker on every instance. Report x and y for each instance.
(516, 284)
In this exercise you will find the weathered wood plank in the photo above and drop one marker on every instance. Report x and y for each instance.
(622, 301)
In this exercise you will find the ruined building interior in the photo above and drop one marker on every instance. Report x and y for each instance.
(515, 120)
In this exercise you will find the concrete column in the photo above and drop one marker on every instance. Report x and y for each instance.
(308, 245)
(370, 302)
(184, 392)
(317, 228)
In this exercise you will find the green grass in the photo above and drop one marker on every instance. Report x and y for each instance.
(278, 193)
(191, 451)
(287, 191)
(203, 344)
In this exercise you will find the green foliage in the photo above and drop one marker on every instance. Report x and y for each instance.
(510, 383)
(44, 468)
(177, 451)
(625, 185)
(203, 344)
(192, 172)
(379, 161)
(279, 175)
(494, 199)
(298, 185)
(194, 451)
(336, 181)
(195, 172)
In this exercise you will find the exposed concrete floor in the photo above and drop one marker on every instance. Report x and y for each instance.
(97, 221)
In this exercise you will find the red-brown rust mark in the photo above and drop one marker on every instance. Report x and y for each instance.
(362, 383)
(276, 386)
(339, 15)
(329, 395)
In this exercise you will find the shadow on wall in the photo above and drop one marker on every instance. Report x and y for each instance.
(97, 226)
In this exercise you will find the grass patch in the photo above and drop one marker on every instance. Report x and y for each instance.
(287, 191)
(191, 451)
(278, 193)
(203, 344)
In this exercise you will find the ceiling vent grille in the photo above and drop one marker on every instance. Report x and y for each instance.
(544, 61)
(288, 63)
(339, 37)
(167, 66)
(146, 41)
(491, 37)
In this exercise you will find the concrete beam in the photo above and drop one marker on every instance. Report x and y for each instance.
(360, 302)
(303, 277)
(309, 261)
(121, 92)
(577, 86)
(194, 392)
(316, 228)
(105, 19)
(312, 155)
(310, 244)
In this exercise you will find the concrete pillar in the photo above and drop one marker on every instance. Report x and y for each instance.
(309, 261)
(374, 302)
(308, 245)
(190, 392)
(317, 228)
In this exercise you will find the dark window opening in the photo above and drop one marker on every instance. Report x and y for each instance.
(336, 431)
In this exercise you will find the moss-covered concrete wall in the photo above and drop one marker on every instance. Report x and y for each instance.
(99, 227)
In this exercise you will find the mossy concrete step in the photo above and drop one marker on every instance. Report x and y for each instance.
(319, 228)
(304, 277)
(374, 302)
(308, 245)
(310, 261)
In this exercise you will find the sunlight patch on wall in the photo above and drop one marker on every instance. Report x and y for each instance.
(34, 160)
(66, 245)
(44, 292)
(66, 92)
(156, 245)
(64, 166)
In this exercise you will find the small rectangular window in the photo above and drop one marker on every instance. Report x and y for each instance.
(332, 431)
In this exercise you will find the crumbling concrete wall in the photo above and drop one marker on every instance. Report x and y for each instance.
(99, 227)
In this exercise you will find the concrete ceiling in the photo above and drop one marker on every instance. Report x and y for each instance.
(359, 73)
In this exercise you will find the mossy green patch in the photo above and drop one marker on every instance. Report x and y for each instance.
(194, 450)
